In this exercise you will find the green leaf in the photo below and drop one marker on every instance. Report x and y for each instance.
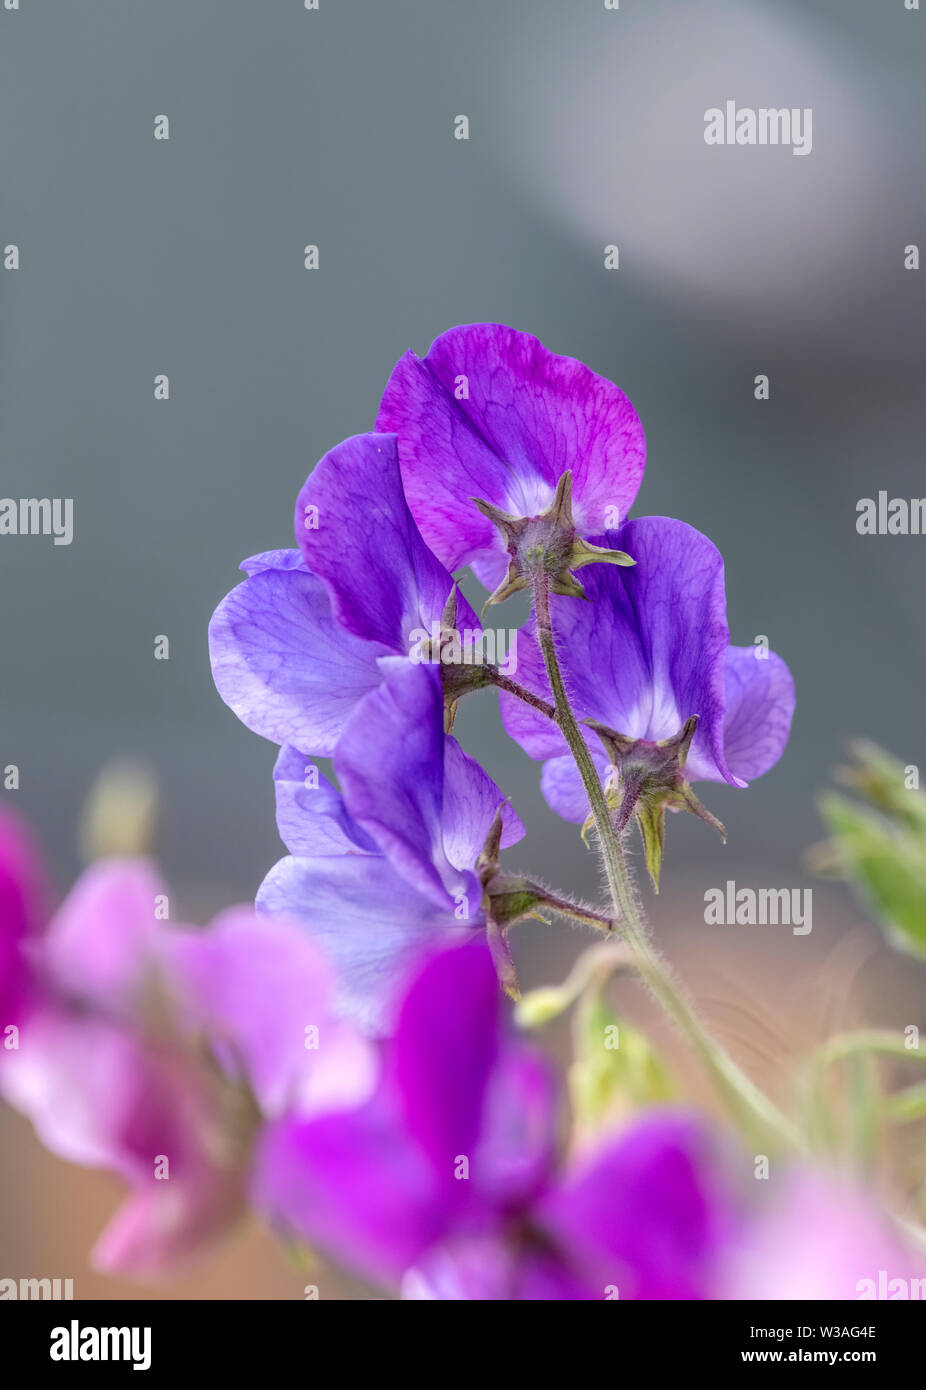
(886, 863)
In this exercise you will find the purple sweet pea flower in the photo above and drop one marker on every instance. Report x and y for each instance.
(384, 870)
(296, 646)
(649, 649)
(490, 413)
(445, 1180)
(105, 1060)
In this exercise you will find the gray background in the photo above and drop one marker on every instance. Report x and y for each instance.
(335, 127)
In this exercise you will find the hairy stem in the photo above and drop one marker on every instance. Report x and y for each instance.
(753, 1109)
(506, 683)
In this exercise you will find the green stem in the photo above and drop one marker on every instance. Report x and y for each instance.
(906, 1106)
(752, 1108)
(866, 1040)
(866, 1043)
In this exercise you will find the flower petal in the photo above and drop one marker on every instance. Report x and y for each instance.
(562, 786)
(383, 580)
(390, 764)
(648, 650)
(490, 413)
(99, 946)
(372, 924)
(311, 816)
(284, 664)
(260, 987)
(760, 706)
(471, 802)
(445, 1049)
(24, 905)
(646, 1213)
(354, 1184)
(518, 1137)
(162, 1226)
(822, 1237)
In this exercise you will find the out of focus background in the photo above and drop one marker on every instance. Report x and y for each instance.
(335, 127)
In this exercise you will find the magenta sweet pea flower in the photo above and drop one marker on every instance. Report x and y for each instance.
(489, 413)
(650, 649)
(297, 645)
(154, 1052)
(24, 904)
(445, 1181)
(385, 870)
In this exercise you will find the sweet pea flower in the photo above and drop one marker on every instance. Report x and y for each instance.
(445, 1182)
(819, 1236)
(24, 902)
(155, 1052)
(386, 868)
(649, 650)
(490, 413)
(297, 645)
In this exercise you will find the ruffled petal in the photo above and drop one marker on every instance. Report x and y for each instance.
(471, 802)
(651, 648)
(490, 413)
(760, 706)
(383, 580)
(311, 816)
(390, 764)
(284, 664)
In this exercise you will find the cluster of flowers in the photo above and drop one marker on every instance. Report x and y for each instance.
(314, 651)
(181, 1060)
(342, 1059)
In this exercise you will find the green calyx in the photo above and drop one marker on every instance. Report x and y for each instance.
(546, 543)
(648, 779)
(509, 898)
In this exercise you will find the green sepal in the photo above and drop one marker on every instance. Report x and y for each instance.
(545, 544)
(650, 779)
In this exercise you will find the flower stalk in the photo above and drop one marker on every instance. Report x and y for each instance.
(752, 1108)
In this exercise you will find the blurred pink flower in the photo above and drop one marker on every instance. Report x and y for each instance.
(821, 1237)
(157, 1051)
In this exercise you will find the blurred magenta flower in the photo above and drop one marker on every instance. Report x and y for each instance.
(385, 870)
(155, 1052)
(489, 413)
(648, 650)
(445, 1180)
(25, 898)
(297, 645)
